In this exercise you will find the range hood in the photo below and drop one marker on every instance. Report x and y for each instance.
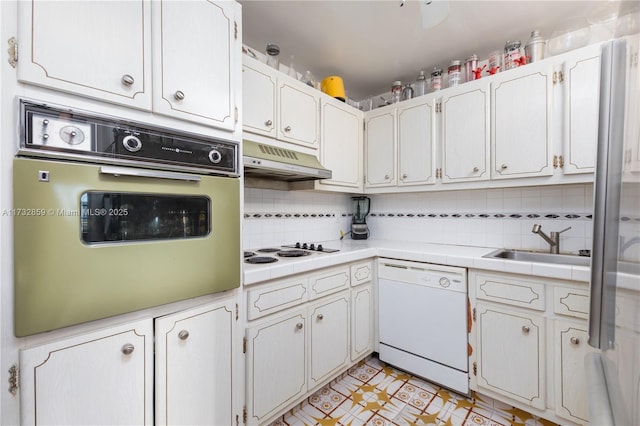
(266, 161)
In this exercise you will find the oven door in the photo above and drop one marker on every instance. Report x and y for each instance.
(95, 241)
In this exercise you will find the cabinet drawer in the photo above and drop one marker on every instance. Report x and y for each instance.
(361, 273)
(267, 299)
(571, 301)
(511, 290)
(329, 281)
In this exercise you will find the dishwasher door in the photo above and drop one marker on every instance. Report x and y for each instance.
(423, 311)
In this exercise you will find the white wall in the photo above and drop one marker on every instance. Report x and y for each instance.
(451, 217)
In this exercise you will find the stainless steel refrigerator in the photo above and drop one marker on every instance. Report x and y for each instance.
(613, 367)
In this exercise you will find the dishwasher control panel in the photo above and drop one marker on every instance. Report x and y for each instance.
(445, 277)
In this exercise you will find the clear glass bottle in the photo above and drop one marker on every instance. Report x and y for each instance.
(292, 70)
(420, 86)
(273, 59)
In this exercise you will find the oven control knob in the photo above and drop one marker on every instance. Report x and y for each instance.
(214, 156)
(444, 282)
(132, 143)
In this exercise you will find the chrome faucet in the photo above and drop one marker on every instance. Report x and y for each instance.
(553, 240)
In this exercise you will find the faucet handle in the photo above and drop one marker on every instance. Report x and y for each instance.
(565, 229)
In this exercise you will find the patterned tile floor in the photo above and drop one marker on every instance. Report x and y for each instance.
(373, 393)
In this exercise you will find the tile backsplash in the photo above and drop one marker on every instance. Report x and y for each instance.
(480, 217)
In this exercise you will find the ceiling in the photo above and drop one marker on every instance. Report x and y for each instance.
(372, 43)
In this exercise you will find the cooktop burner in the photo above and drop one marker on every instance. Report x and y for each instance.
(261, 259)
(293, 253)
(248, 254)
(268, 250)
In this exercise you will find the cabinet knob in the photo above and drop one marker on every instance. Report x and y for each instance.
(525, 329)
(183, 335)
(476, 170)
(287, 129)
(268, 123)
(404, 176)
(574, 340)
(386, 177)
(320, 316)
(503, 167)
(127, 348)
(179, 95)
(299, 326)
(127, 80)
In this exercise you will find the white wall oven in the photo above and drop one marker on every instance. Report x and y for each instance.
(113, 216)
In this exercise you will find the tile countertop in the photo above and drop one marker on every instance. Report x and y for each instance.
(443, 254)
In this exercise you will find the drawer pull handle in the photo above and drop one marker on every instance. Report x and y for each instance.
(320, 317)
(574, 340)
(127, 348)
(183, 335)
(128, 80)
(525, 329)
(299, 326)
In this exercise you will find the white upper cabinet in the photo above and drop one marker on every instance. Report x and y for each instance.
(341, 148)
(92, 49)
(258, 99)
(581, 85)
(521, 122)
(465, 133)
(180, 59)
(417, 142)
(195, 47)
(278, 106)
(298, 113)
(380, 149)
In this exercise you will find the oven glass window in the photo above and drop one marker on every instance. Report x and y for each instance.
(121, 216)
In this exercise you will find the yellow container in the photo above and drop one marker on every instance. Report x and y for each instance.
(334, 87)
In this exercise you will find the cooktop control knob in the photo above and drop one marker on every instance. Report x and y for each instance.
(297, 245)
(312, 246)
(320, 248)
(444, 282)
(305, 246)
(132, 143)
(215, 156)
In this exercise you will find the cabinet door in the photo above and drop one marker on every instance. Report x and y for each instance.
(103, 377)
(276, 364)
(341, 148)
(581, 73)
(521, 125)
(416, 143)
(93, 49)
(298, 114)
(361, 321)
(258, 98)
(465, 133)
(329, 347)
(194, 366)
(380, 149)
(511, 359)
(194, 55)
(570, 345)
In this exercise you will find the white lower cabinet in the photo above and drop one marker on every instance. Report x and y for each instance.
(195, 360)
(101, 377)
(511, 359)
(302, 332)
(529, 342)
(329, 340)
(276, 364)
(107, 376)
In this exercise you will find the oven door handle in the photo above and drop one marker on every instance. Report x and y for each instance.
(125, 171)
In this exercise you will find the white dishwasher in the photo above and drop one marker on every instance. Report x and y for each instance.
(423, 321)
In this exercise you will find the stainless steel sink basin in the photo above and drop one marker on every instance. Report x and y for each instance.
(530, 256)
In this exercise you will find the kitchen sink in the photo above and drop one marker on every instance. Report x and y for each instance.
(536, 257)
